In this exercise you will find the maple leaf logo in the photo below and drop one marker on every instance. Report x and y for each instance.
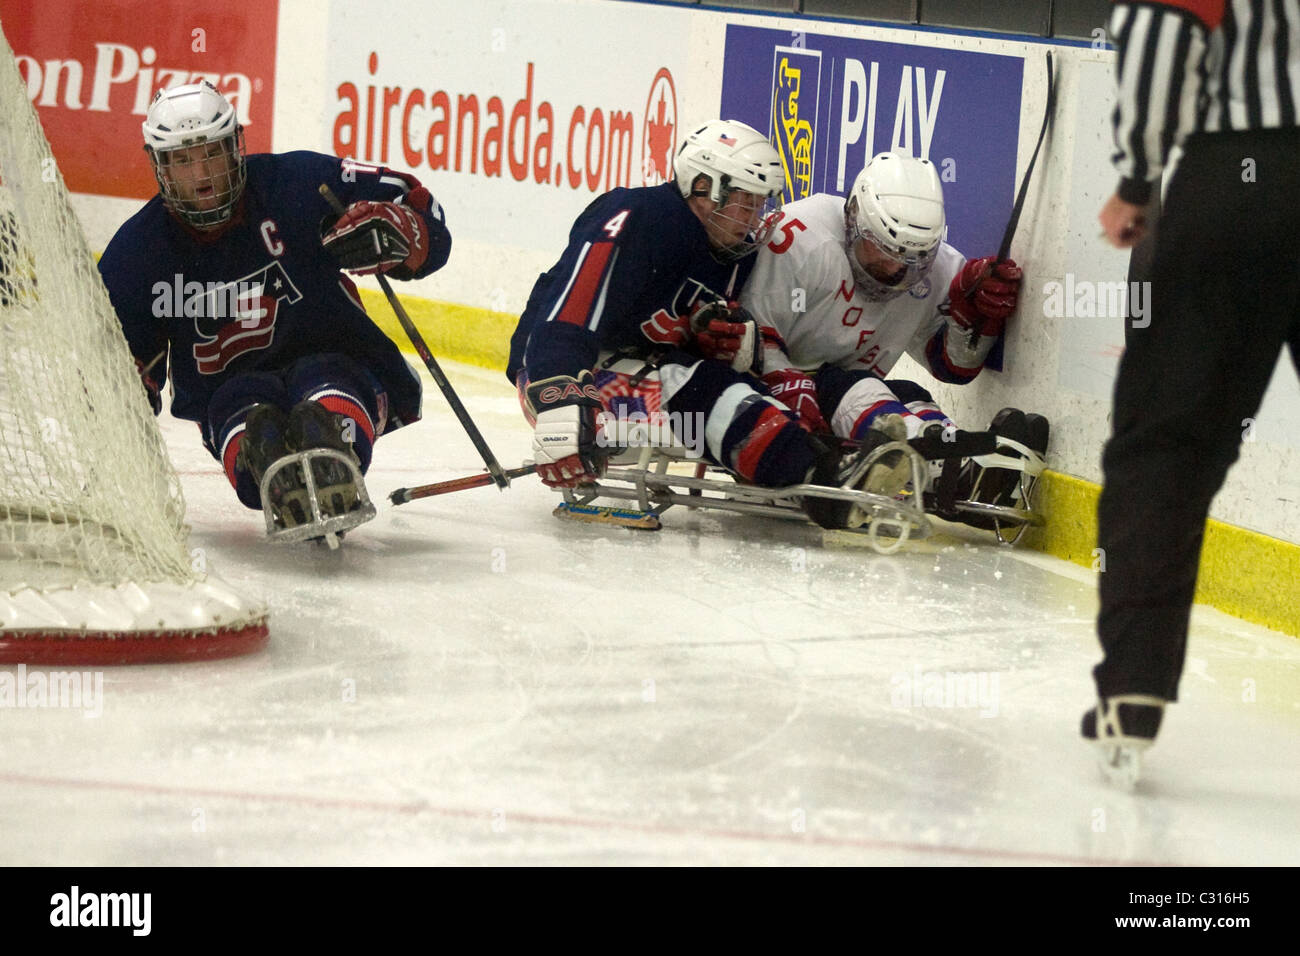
(660, 130)
(660, 136)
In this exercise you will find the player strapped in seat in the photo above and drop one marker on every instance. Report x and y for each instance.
(307, 474)
(649, 304)
(265, 340)
(879, 280)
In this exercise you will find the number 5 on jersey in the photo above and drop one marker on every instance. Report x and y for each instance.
(787, 228)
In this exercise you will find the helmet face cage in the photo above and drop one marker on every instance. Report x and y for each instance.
(222, 172)
(915, 263)
(727, 218)
(734, 159)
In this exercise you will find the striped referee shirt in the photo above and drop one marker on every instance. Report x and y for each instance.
(1198, 65)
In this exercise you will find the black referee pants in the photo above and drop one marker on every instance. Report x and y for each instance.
(1225, 298)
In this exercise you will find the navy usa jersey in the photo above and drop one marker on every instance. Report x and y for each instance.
(262, 293)
(631, 254)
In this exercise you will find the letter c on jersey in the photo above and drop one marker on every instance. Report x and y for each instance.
(273, 245)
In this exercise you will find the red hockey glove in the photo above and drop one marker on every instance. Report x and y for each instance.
(565, 430)
(725, 332)
(995, 298)
(797, 392)
(378, 236)
(663, 328)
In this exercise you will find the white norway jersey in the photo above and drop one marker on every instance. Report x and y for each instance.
(838, 325)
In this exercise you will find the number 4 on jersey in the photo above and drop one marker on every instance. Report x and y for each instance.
(616, 224)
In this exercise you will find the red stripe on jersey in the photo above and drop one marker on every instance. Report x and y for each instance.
(349, 409)
(350, 288)
(751, 450)
(942, 366)
(228, 457)
(1209, 12)
(577, 307)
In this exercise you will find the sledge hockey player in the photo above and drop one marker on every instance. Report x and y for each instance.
(607, 330)
(229, 281)
(845, 286)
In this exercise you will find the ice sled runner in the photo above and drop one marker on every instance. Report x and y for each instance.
(979, 478)
(314, 494)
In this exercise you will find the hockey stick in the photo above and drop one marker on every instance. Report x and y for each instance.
(592, 514)
(402, 495)
(145, 370)
(1004, 250)
(493, 466)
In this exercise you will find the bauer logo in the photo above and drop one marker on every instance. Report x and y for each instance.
(796, 85)
(92, 85)
(659, 130)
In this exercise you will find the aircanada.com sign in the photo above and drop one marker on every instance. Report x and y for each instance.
(501, 111)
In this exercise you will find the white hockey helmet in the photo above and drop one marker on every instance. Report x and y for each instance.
(734, 157)
(187, 116)
(896, 204)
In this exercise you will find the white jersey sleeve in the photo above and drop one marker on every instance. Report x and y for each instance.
(947, 264)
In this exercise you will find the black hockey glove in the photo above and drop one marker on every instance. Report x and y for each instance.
(378, 237)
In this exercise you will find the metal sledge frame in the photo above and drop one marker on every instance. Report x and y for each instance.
(1029, 468)
(328, 529)
(887, 522)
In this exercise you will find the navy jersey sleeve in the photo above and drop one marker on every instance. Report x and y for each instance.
(593, 291)
(121, 265)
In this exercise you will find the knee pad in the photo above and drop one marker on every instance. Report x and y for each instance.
(745, 430)
(347, 389)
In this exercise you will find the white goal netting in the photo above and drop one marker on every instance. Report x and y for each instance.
(93, 540)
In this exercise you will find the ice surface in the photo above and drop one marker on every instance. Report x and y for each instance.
(470, 681)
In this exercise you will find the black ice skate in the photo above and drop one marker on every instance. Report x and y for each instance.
(312, 426)
(1003, 480)
(860, 468)
(1123, 727)
(335, 493)
(261, 451)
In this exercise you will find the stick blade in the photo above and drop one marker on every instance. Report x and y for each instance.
(618, 517)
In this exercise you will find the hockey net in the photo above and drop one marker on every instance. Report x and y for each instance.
(95, 563)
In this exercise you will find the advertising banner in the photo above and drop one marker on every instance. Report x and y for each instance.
(831, 103)
(92, 69)
(513, 125)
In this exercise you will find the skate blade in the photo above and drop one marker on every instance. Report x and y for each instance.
(1121, 765)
